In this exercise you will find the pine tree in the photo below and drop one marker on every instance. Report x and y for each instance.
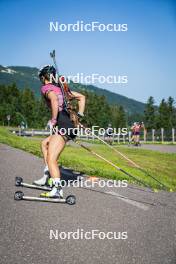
(97, 110)
(28, 107)
(118, 116)
(163, 115)
(172, 112)
(149, 113)
(43, 113)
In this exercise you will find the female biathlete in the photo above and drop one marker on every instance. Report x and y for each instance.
(53, 145)
(136, 128)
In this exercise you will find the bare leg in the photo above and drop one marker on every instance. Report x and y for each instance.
(56, 146)
(44, 148)
(137, 139)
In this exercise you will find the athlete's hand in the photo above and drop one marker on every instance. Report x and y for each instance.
(80, 115)
(51, 123)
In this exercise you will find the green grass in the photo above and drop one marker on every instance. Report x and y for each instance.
(160, 165)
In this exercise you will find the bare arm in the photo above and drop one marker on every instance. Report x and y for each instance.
(143, 126)
(54, 104)
(81, 101)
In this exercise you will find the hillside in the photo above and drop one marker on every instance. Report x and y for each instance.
(27, 77)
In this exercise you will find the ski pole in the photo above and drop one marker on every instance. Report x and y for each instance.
(121, 154)
(53, 56)
(112, 164)
(129, 160)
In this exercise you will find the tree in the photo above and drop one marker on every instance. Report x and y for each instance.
(9, 97)
(43, 113)
(97, 112)
(149, 113)
(136, 117)
(171, 112)
(28, 104)
(163, 115)
(118, 116)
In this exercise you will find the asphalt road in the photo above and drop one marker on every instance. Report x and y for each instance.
(148, 218)
(159, 147)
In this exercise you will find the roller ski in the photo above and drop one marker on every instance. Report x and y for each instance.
(19, 183)
(71, 199)
(52, 187)
(54, 190)
(46, 182)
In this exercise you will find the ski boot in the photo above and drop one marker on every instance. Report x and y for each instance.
(45, 180)
(56, 192)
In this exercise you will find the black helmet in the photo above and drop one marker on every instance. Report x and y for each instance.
(46, 71)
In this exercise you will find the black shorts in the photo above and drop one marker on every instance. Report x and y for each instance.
(136, 133)
(64, 126)
(109, 135)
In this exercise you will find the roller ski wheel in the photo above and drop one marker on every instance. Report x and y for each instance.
(71, 200)
(18, 196)
(18, 181)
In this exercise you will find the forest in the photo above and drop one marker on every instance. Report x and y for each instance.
(24, 106)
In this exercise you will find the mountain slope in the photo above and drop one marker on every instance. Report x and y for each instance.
(27, 77)
(24, 77)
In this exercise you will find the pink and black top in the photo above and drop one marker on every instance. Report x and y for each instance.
(137, 128)
(45, 89)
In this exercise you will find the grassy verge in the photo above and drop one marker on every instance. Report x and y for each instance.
(160, 165)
